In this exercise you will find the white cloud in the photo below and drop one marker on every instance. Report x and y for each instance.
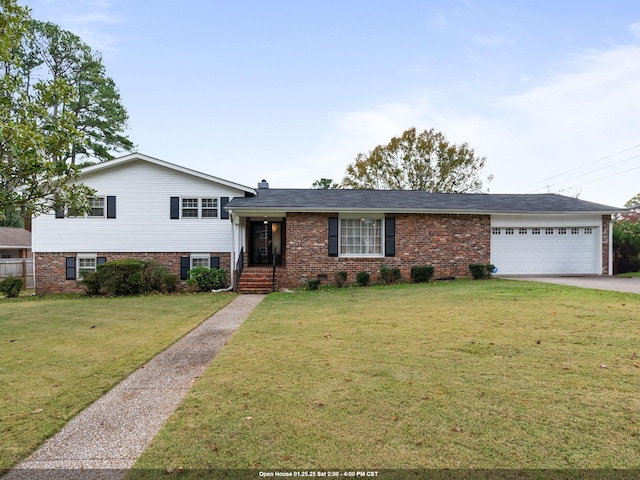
(634, 28)
(568, 123)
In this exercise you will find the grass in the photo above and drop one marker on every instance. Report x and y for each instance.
(629, 275)
(59, 354)
(491, 374)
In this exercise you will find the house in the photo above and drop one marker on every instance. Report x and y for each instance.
(15, 254)
(312, 234)
(148, 208)
(143, 208)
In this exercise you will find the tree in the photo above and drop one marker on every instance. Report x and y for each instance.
(36, 135)
(325, 184)
(634, 201)
(417, 161)
(50, 52)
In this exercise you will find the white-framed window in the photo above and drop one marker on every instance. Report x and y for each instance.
(195, 207)
(588, 231)
(535, 231)
(495, 231)
(189, 208)
(509, 231)
(522, 231)
(548, 231)
(575, 231)
(87, 262)
(361, 237)
(200, 260)
(97, 207)
(209, 208)
(562, 231)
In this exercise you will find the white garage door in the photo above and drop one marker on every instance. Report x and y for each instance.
(552, 250)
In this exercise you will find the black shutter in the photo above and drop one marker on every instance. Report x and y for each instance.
(185, 266)
(175, 208)
(111, 207)
(333, 236)
(390, 237)
(214, 262)
(70, 264)
(101, 260)
(223, 213)
(60, 212)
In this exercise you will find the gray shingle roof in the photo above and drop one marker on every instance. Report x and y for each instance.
(11, 237)
(310, 200)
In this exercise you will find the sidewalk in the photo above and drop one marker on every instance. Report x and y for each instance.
(113, 432)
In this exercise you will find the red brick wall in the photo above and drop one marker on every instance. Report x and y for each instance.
(50, 268)
(448, 242)
(605, 244)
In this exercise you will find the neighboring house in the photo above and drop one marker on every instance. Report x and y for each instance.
(147, 208)
(144, 208)
(15, 254)
(14, 242)
(316, 233)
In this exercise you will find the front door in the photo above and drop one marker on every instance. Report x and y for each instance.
(265, 242)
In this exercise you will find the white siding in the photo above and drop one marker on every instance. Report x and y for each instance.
(142, 224)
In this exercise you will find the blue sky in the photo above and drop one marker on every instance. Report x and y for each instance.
(292, 91)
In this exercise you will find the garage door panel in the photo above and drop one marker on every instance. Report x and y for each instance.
(556, 250)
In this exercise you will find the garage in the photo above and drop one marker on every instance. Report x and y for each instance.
(545, 250)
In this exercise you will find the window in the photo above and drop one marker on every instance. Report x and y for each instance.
(535, 231)
(562, 231)
(200, 260)
(522, 231)
(548, 231)
(588, 231)
(575, 231)
(209, 208)
(86, 263)
(495, 231)
(189, 208)
(508, 231)
(199, 208)
(361, 237)
(96, 205)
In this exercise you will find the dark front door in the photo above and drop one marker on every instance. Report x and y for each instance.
(265, 242)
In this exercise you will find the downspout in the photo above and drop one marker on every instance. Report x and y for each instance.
(232, 267)
(611, 246)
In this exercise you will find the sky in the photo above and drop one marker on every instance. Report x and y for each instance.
(548, 91)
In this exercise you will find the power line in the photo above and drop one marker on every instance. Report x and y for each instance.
(585, 166)
(599, 179)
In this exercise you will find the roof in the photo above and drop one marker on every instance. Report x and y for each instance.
(172, 166)
(312, 200)
(12, 237)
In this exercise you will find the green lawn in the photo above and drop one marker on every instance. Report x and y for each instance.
(59, 354)
(457, 375)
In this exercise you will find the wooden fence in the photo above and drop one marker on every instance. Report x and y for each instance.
(18, 267)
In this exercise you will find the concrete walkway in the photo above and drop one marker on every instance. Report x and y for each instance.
(600, 282)
(108, 436)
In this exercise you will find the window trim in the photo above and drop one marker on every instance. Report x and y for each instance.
(199, 208)
(379, 219)
(85, 256)
(199, 256)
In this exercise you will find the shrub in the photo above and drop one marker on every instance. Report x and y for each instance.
(207, 279)
(11, 286)
(363, 279)
(313, 284)
(121, 277)
(481, 271)
(129, 277)
(422, 274)
(340, 278)
(389, 276)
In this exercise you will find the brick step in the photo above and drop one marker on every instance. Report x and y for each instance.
(256, 280)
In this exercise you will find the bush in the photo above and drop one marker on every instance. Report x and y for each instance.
(481, 271)
(422, 274)
(340, 278)
(389, 276)
(11, 286)
(207, 279)
(129, 277)
(121, 277)
(313, 284)
(363, 279)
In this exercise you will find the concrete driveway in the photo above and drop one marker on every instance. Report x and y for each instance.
(601, 282)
